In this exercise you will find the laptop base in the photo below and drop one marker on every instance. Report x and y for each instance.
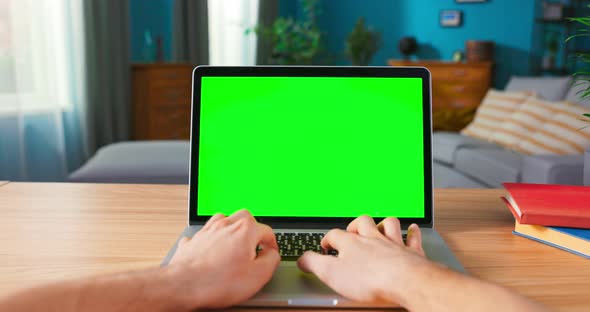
(289, 287)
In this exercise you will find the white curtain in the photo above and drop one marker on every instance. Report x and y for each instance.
(41, 89)
(228, 22)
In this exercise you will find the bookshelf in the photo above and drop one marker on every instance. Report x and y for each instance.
(555, 32)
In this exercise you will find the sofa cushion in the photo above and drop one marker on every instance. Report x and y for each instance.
(155, 162)
(495, 108)
(489, 166)
(561, 134)
(553, 169)
(445, 145)
(446, 177)
(527, 119)
(550, 88)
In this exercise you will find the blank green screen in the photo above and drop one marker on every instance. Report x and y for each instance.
(311, 146)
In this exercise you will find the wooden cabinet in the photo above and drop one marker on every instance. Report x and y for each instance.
(162, 101)
(457, 90)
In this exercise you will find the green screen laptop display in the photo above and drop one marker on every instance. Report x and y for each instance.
(311, 146)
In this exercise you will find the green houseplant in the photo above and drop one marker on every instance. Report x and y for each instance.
(362, 43)
(583, 76)
(551, 48)
(294, 41)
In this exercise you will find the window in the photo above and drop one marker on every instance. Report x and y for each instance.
(35, 56)
(228, 21)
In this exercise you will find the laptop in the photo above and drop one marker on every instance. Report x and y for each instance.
(308, 149)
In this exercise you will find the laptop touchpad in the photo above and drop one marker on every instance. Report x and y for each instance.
(291, 286)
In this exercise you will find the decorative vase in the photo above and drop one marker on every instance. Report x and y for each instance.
(479, 51)
(148, 49)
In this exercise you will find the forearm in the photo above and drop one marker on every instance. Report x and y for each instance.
(437, 288)
(149, 290)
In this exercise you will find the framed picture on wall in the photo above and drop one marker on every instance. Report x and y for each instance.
(451, 18)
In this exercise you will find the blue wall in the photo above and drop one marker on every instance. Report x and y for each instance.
(155, 16)
(509, 23)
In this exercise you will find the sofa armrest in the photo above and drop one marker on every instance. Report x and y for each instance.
(553, 169)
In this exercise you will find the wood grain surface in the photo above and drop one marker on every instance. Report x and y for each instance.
(53, 231)
(457, 90)
(162, 101)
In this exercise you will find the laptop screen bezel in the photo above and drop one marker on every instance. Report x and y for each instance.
(311, 71)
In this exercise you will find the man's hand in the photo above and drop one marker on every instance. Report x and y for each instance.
(220, 267)
(369, 258)
(374, 265)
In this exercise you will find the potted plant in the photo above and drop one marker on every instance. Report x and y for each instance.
(551, 48)
(362, 43)
(583, 78)
(294, 41)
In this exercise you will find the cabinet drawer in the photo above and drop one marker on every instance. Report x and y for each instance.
(453, 103)
(169, 97)
(170, 123)
(463, 73)
(460, 89)
(172, 133)
(162, 77)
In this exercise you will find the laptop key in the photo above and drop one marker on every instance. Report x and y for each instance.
(331, 252)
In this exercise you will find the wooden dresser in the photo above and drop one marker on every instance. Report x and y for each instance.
(457, 90)
(161, 101)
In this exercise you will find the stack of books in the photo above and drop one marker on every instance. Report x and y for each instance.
(556, 215)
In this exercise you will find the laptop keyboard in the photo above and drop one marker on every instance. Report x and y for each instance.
(293, 245)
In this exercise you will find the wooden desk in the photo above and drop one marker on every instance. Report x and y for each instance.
(51, 231)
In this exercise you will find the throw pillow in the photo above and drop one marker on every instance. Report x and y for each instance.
(523, 122)
(550, 88)
(562, 134)
(493, 111)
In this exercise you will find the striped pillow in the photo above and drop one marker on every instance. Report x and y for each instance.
(521, 124)
(493, 111)
(562, 134)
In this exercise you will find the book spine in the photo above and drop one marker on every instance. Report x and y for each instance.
(551, 244)
(555, 220)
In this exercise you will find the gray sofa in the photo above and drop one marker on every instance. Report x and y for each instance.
(152, 162)
(459, 161)
(465, 162)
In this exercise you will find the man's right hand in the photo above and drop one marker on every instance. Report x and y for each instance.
(372, 263)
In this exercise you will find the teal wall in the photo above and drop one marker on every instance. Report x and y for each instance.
(509, 23)
(155, 16)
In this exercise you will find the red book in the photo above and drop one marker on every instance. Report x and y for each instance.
(548, 204)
